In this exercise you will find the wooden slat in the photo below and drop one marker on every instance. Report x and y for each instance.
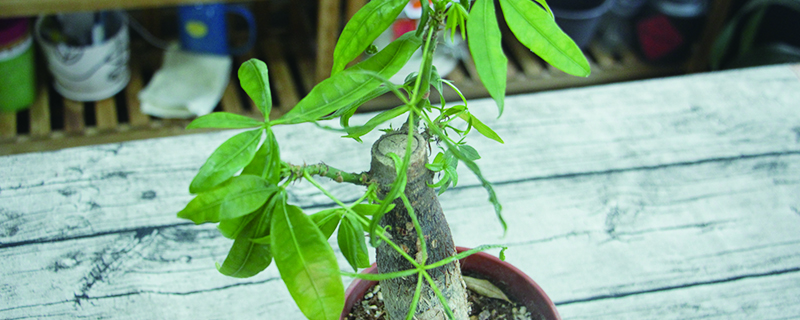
(527, 61)
(629, 57)
(764, 297)
(472, 71)
(8, 124)
(640, 125)
(327, 34)
(353, 6)
(306, 66)
(287, 92)
(458, 75)
(230, 99)
(73, 116)
(602, 56)
(718, 15)
(635, 232)
(40, 113)
(106, 114)
(135, 116)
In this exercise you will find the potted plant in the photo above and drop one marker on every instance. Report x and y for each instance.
(242, 185)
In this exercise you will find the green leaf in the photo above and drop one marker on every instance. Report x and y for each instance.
(452, 111)
(247, 198)
(254, 79)
(482, 128)
(267, 161)
(327, 220)
(476, 170)
(224, 120)
(363, 28)
(263, 240)
(346, 113)
(503, 254)
(546, 7)
(489, 189)
(537, 30)
(230, 157)
(247, 258)
(231, 228)
(345, 88)
(366, 209)
(258, 165)
(485, 45)
(437, 164)
(436, 82)
(356, 132)
(236, 198)
(453, 174)
(469, 152)
(306, 263)
(444, 180)
(353, 243)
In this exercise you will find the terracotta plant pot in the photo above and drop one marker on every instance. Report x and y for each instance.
(516, 284)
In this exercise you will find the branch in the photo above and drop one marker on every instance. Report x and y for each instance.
(324, 170)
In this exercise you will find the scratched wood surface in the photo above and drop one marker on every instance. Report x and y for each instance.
(664, 199)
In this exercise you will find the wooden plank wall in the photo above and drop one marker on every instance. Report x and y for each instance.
(667, 199)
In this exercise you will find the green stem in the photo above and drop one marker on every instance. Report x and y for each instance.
(415, 300)
(353, 214)
(423, 247)
(424, 74)
(335, 174)
(439, 294)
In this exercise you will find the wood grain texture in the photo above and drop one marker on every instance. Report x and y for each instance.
(281, 76)
(74, 121)
(664, 199)
(135, 116)
(641, 131)
(588, 239)
(40, 113)
(328, 29)
(230, 99)
(8, 124)
(106, 114)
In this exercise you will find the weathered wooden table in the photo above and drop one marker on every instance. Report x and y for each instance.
(675, 198)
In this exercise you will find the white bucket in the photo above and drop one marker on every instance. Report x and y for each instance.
(90, 72)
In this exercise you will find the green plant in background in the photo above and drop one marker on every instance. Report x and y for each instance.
(242, 186)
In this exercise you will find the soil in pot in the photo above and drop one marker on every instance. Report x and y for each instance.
(371, 307)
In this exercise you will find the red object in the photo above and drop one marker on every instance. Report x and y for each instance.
(401, 26)
(511, 280)
(658, 37)
(12, 30)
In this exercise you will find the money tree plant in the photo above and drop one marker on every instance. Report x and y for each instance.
(242, 185)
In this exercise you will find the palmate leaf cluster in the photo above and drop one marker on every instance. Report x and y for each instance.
(242, 185)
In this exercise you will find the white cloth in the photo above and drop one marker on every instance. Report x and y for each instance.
(187, 85)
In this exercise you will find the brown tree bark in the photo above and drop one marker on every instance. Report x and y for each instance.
(398, 293)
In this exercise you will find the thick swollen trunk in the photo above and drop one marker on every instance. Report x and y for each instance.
(398, 293)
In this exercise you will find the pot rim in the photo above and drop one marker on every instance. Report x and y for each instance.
(517, 283)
